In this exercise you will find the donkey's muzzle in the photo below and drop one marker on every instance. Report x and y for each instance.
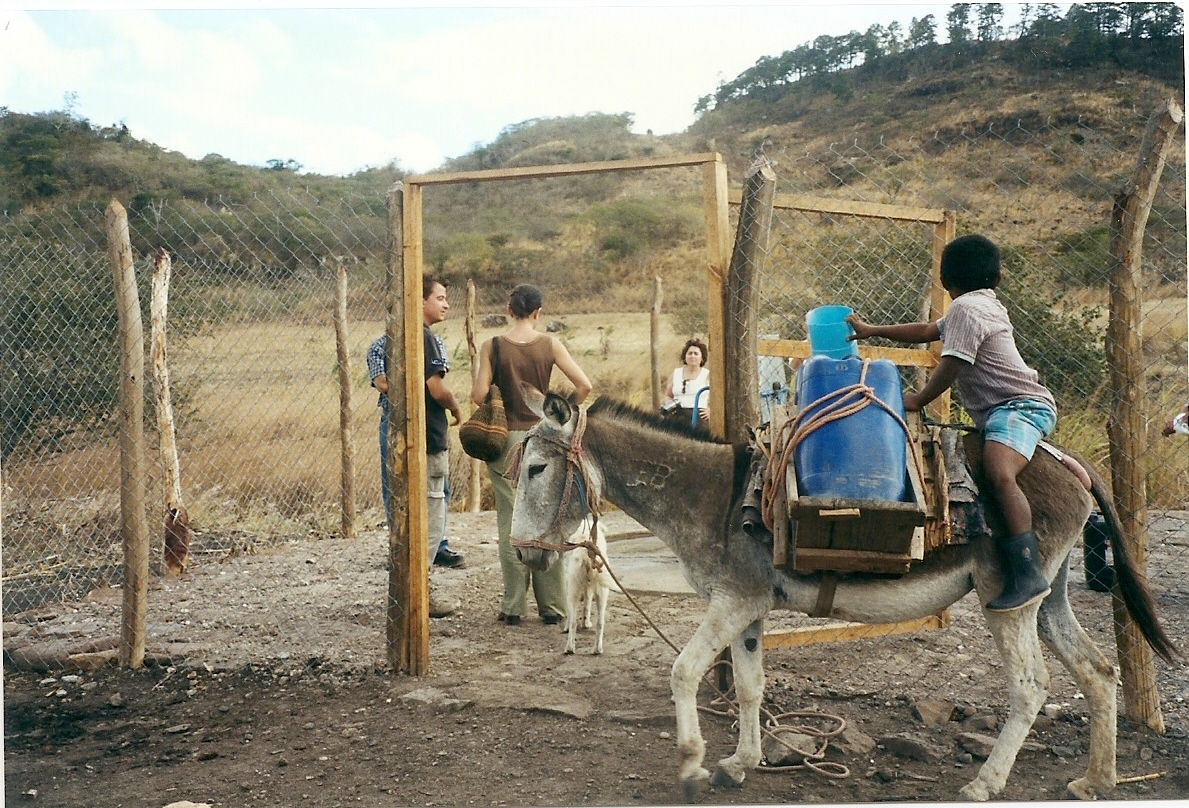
(536, 558)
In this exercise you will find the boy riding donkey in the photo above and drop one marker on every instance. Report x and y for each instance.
(1001, 393)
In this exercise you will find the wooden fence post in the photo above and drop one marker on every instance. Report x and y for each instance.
(1125, 428)
(346, 434)
(716, 210)
(475, 482)
(177, 520)
(133, 526)
(408, 577)
(742, 300)
(654, 322)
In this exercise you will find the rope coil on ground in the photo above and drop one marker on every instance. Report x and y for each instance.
(577, 475)
(729, 708)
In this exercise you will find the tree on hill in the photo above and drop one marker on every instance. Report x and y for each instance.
(1147, 37)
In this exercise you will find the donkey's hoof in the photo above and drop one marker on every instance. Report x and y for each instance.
(690, 789)
(1083, 789)
(721, 779)
(975, 791)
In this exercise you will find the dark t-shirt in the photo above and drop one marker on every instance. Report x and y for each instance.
(436, 422)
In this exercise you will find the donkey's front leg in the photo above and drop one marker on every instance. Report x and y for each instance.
(722, 622)
(747, 663)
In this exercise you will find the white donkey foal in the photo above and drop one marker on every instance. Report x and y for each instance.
(587, 584)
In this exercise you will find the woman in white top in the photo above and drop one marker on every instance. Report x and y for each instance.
(690, 378)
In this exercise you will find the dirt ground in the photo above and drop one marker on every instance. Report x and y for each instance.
(266, 685)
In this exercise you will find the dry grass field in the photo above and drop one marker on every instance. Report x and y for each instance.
(258, 422)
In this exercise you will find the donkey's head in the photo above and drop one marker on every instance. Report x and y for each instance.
(554, 484)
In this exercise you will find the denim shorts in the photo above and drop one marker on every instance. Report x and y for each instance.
(1020, 424)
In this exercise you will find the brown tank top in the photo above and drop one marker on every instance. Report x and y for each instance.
(531, 364)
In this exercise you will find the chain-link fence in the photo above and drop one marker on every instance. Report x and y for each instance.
(252, 351)
(857, 224)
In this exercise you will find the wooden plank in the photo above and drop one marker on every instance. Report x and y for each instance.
(413, 438)
(939, 301)
(846, 207)
(811, 559)
(839, 632)
(780, 503)
(793, 497)
(654, 342)
(937, 486)
(718, 251)
(477, 469)
(569, 170)
(915, 479)
(799, 349)
(840, 513)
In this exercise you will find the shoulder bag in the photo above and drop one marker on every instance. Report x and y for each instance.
(484, 434)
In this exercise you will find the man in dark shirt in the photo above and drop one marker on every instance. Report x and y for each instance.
(438, 401)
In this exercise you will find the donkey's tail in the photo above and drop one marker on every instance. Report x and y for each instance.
(1133, 586)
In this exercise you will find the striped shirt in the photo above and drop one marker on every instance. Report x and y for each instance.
(977, 330)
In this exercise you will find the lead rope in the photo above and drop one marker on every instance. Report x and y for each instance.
(574, 455)
(813, 761)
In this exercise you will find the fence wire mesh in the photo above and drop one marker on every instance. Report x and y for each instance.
(1043, 190)
(252, 355)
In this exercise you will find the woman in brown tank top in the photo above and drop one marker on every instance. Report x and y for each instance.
(525, 355)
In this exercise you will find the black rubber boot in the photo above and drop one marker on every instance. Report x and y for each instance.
(1025, 583)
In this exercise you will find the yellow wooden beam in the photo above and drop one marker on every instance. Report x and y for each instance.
(799, 349)
(534, 172)
(846, 207)
(838, 632)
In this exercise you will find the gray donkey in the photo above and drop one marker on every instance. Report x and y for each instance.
(688, 489)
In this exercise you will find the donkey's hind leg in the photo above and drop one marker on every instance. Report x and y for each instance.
(1027, 685)
(1094, 674)
(725, 619)
(747, 664)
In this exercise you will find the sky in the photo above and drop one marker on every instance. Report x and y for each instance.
(341, 90)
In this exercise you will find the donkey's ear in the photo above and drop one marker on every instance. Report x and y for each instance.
(557, 409)
(533, 398)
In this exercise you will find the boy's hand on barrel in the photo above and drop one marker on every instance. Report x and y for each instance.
(861, 328)
(912, 402)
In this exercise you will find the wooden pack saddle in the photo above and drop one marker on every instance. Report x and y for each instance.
(809, 534)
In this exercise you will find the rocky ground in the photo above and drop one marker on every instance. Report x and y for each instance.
(268, 685)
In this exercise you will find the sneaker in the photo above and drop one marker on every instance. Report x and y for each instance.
(447, 558)
(441, 607)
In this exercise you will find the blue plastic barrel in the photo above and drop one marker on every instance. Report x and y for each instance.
(859, 456)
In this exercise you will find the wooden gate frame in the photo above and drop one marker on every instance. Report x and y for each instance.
(407, 629)
(944, 228)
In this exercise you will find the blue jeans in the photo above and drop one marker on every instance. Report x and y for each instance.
(437, 489)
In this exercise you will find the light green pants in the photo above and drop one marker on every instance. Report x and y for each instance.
(549, 587)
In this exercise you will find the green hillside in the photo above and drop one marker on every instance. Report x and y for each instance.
(1025, 137)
